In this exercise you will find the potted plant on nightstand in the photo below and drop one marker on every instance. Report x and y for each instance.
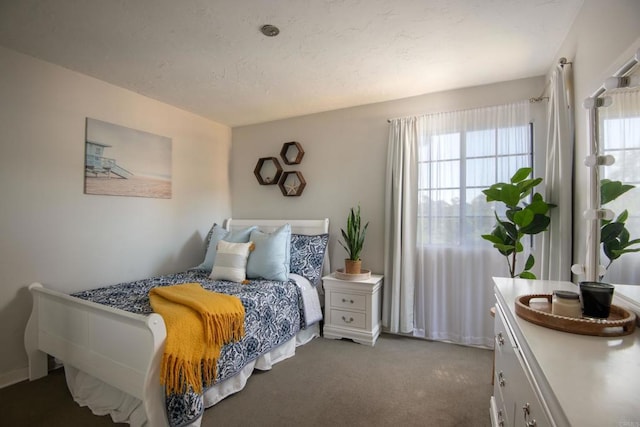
(353, 241)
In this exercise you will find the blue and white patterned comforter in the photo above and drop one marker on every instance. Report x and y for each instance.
(274, 313)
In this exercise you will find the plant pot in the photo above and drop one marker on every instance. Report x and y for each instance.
(352, 267)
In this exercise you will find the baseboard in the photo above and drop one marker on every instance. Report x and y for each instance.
(13, 377)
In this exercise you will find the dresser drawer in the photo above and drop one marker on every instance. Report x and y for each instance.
(348, 301)
(348, 319)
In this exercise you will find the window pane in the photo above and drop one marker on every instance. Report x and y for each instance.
(507, 166)
(476, 226)
(443, 147)
(423, 175)
(481, 143)
(621, 133)
(445, 202)
(477, 204)
(445, 174)
(514, 140)
(481, 172)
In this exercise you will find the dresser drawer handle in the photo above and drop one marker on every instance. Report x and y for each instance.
(501, 379)
(347, 300)
(344, 319)
(500, 338)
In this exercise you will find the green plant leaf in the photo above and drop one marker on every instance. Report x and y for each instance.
(510, 229)
(611, 190)
(504, 249)
(520, 174)
(538, 205)
(492, 194)
(523, 218)
(610, 248)
(621, 252)
(611, 231)
(538, 225)
(510, 195)
(623, 216)
(530, 262)
(527, 275)
(526, 186)
(493, 238)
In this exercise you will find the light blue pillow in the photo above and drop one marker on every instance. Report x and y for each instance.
(218, 233)
(271, 256)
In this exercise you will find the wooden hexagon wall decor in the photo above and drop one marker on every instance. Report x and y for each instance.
(291, 153)
(292, 183)
(268, 171)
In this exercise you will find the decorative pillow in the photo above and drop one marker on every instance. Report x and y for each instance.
(307, 255)
(231, 261)
(218, 233)
(271, 256)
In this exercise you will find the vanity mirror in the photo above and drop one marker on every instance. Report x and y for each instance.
(613, 212)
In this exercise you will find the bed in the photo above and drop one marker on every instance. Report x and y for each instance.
(112, 351)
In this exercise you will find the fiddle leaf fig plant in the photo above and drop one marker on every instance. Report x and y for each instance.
(521, 218)
(614, 236)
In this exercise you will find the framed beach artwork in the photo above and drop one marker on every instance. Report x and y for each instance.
(121, 161)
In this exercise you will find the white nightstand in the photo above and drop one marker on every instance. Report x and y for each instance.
(352, 309)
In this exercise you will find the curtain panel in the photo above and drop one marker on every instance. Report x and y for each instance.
(557, 242)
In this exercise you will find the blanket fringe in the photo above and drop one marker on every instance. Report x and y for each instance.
(222, 328)
(178, 374)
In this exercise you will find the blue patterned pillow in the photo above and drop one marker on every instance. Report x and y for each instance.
(307, 256)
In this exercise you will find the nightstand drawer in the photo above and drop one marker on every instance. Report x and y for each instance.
(348, 301)
(348, 318)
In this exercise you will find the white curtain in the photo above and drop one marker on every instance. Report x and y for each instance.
(436, 254)
(401, 197)
(557, 242)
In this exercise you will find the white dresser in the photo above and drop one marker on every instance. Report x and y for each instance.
(352, 309)
(545, 377)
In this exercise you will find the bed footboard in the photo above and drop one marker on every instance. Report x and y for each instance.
(120, 348)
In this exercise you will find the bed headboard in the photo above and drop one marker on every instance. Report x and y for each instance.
(298, 226)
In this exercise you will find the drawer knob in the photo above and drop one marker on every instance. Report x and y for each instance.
(350, 301)
(345, 320)
(526, 409)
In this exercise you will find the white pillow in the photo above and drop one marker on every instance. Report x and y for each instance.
(231, 261)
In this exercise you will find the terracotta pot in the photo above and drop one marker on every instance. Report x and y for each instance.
(352, 267)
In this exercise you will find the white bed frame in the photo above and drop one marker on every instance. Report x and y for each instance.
(119, 348)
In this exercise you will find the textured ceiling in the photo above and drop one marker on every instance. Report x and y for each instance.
(209, 57)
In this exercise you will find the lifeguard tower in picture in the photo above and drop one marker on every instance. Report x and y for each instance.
(96, 164)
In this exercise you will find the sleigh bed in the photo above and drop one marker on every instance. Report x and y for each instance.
(111, 343)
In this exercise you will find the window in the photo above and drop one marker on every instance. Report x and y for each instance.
(454, 168)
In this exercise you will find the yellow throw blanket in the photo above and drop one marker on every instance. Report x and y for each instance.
(199, 323)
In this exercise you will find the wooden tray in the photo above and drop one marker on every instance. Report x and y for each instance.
(364, 275)
(620, 321)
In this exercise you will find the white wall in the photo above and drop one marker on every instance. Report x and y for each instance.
(345, 160)
(53, 233)
(603, 37)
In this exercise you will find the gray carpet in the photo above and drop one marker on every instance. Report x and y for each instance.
(399, 382)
